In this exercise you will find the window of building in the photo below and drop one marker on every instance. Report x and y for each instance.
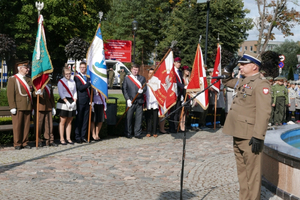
(241, 49)
(245, 48)
(251, 48)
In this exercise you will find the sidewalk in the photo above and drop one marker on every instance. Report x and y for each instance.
(120, 168)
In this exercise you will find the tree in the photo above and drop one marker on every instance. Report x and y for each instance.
(274, 14)
(7, 47)
(270, 60)
(290, 74)
(77, 48)
(289, 49)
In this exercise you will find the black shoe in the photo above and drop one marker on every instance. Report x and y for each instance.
(40, 144)
(128, 136)
(63, 143)
(163, 132)
(70, 142)
(172, 131)
(78, 141)
(138, 137)
(53, 144)
(27, 147)
(84, 140)
(18, 148)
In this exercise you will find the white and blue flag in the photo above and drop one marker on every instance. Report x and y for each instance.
(96, 66)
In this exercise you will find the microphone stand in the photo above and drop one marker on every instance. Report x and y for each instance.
(184, 133)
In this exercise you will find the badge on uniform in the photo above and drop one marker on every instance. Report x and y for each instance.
(247, 86)
(266, 90)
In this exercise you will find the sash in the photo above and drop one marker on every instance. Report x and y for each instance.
(83, 82)
(66, 88)
(177, 75)
(25, 85)
(47, 89)
(104, 104)
(135, 81)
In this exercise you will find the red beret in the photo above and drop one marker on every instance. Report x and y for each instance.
(177, 59)
(185, 67)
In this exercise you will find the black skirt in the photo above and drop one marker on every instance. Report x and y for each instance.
(63, 110)
(98, 114)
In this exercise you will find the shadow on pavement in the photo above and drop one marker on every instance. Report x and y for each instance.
(176, 195)
(7, 167)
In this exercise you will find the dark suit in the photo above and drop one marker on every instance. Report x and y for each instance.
(129, 90)
(174, 118)
(83, 99)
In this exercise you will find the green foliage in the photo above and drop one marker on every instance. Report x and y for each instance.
(289, 49)
(3, 98)
(290, 74)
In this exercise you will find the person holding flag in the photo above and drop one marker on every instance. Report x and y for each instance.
(83, 93)
(132, 85)
(19, 96)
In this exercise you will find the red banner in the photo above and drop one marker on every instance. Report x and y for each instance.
(118, 50)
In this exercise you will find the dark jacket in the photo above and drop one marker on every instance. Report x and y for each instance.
(82, 94)
(129, 89)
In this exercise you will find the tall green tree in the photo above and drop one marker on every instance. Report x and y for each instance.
(290, 74)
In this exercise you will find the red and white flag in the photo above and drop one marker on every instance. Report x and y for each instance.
(163, 84)
(198, 80)
(217, 70)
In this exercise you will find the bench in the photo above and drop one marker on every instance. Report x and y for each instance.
(5, 112)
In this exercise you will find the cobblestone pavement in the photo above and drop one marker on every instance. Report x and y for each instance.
(120, 168)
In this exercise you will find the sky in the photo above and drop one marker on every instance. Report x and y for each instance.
(253, 33)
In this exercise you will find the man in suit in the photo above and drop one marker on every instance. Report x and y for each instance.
(132, 85)
(83, 97)
(247, 122)
(19, 88)
(174, 118)
(46, 111)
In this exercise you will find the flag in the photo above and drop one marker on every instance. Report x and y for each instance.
(41, 62)
(198, 80)
(163, 84)
(217, 70)
(96, 66)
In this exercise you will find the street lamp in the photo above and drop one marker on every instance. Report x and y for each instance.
(207, 20)
(134, 29)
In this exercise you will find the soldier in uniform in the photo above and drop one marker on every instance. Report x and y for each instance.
(19, 88)
(111, 75)
(297, 113)
(122, 76)
(46, 111)
(247, 122)
(270, 79)
(280, 100)
(292, 101)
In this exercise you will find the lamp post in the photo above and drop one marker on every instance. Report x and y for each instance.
(207, 20)
(134, 29)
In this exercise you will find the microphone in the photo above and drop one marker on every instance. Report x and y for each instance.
(218, 77)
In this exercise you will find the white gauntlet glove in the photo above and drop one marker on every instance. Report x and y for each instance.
(53, 111)
(129, 104)
(38, 92)
(13, 111)
(68, 105)
(140, 91)
(73, 105)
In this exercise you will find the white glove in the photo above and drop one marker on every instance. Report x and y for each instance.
(38, 92)
(13, 111)
(73, 105)
(68, 105)
(140, 91)
(129, 104)
(53, 111)
(185, 87)
(32, 112)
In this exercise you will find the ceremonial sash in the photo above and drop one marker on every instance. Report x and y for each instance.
(177, 75)
(66, 88)
(104, 104)
(83, 82)
(25, 85)
(135, 81)
(47, 89)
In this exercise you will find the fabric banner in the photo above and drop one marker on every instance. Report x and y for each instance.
(163, 84)
(96, 66)
(41, 62)
(198, 80)
(217, 70)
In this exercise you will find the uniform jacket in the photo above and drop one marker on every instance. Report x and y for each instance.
(280, 91)
(129, 89)
(16, 94)
(82, 94)
(111, 74)
(45, 103)
(122, 75)
(250, 110)
(180, 85)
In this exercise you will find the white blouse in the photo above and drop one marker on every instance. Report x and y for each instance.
(62, 90)
(150, 99)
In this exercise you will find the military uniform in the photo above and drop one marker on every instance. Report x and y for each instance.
(19, 99)
(122, 76)
(46, 105)
(247, 119)
(111, 75)
(280, 99)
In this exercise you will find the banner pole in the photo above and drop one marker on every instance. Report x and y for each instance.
(181, 114)
(215, 115)
(90, 115)
(37, 121)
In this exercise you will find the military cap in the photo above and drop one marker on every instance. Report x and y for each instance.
(177, 59)
(280, 78)
(249, 59)
(23, 63)
(269, 78)
(185, 67)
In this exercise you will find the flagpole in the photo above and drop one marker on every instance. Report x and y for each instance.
(181, 114)
(37, 121)
(143, 86)
(90, 115)
(215, 115)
